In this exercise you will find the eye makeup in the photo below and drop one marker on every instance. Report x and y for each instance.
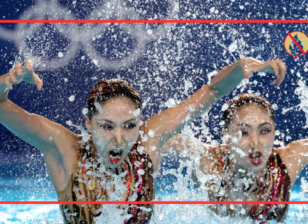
(266, 128)
(263, 128)
(129, 126)
(105, 125)
(109, 125)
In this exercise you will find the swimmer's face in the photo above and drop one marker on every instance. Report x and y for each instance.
(115, 130)
(252, 132)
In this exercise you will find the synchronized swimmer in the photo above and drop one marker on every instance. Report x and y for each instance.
(122, 153)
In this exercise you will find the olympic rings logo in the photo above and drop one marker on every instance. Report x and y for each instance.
(84, 35)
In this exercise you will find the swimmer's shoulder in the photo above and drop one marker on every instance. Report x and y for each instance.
(294, 148)
(294, 157)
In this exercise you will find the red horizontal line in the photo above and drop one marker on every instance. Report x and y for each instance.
(151, 202)
(153, 21)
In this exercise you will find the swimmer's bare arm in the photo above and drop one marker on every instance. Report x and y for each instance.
(295, 157)
(171, 121)
(53, 140)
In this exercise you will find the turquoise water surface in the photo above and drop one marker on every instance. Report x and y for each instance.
(31, 189)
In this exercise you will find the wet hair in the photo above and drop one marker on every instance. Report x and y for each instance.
(243, 100)
(111, 88)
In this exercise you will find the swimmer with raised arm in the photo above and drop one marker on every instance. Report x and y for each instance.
(247, 167)
(120, 146)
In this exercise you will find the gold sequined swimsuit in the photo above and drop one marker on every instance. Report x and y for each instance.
(90, 183)
(276, 186)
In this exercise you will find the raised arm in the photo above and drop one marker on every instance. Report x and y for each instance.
(171, 121)
(295, 157)
(52, 139)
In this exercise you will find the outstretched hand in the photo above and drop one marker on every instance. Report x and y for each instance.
(23, 73)
(276, 67)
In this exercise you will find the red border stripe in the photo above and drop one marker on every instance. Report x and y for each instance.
(153, 21)
(152, 202)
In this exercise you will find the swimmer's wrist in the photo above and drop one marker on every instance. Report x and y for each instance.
(227, 79)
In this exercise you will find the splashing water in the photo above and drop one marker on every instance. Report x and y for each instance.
(172, 61)
(302, 92)
(84, 133)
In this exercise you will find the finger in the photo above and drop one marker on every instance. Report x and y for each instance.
(282, 69)
(276, 71)
(12, 75)
(246, 72)
(39, 83)
(28, 65)
(275, 67)
(279, 77)
(8, 82)
(18, 68)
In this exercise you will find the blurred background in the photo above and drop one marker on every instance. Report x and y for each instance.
(165, 62)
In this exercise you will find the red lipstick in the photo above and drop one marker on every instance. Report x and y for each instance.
(114, 160)
(115, 155)
(255, 158)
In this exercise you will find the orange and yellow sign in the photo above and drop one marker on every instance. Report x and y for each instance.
(296, 43)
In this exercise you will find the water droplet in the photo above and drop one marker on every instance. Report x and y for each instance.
(65, 80)
(239, 151)
(69, 122)
(140, 149)
(60, 54)
(85, 111)
(222, 123)
(225, 107)
(141, 172)
(98, 107)
(170, 103)
(83, 57)
(233, 46)
(71, 98)
(149, 31)
(151, 133)
(179, 43)
(136, 113)
(274, 106)
(95, 62)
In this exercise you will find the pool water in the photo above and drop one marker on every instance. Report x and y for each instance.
(30, 189)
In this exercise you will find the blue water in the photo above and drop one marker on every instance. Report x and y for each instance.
(30, 189)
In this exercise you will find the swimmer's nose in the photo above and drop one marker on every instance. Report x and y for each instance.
(118, 137)
(254, 141)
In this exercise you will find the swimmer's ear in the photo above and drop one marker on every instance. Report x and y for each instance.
(88, 122)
